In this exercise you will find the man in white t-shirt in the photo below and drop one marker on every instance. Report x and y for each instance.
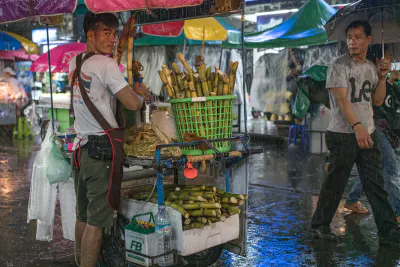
(104, 84)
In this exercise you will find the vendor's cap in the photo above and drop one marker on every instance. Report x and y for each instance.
(10, 70)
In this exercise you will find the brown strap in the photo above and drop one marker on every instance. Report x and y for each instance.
(89, 104)
(78, 67)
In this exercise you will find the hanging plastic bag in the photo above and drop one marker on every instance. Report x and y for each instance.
(301, 104)
(58, 170)
(32, 119)
(42, 195)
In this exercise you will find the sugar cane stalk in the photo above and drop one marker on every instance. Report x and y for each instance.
(164, 80)
(132, 33)
(184, 63)
(203, 79)
(198, 85)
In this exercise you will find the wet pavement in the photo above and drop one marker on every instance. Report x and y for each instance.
(284, 187)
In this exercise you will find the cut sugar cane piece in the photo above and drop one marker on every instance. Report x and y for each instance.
(238, 196)
(210, 188)
(187, 221)
(176, 207)
(194, 206)
(210, 205)
(227, 200)
(231, 208)
(197, 225)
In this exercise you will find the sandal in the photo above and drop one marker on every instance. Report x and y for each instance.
(356, 207)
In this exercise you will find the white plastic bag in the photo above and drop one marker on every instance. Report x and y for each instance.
(67, 206)
(42, 196)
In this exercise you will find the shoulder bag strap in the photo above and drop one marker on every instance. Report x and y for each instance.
(89, 104)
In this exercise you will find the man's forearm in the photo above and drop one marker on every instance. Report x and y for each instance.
(347, 111)
(378, 97)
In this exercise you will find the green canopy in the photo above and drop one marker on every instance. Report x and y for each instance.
(303, 28)
(81, 8)
(149, 40)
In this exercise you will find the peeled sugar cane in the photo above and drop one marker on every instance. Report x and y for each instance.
(199, 205)
(199, 84)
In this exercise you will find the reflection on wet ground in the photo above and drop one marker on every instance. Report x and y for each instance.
(283, 195)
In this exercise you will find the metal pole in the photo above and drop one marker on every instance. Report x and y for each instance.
(51, 85)
(244, 71)
(184, 45)
(220, 57)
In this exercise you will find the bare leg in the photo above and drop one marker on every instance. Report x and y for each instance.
(79, 230)
(91, 245)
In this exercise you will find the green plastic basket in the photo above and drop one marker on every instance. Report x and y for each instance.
(208, 117)
(135, 227)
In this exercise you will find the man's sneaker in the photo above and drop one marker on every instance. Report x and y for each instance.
(325, 232)
(393, 237)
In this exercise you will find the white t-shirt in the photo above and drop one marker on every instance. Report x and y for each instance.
(361, 80)
(102, 79)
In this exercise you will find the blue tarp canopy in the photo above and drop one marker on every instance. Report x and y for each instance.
(305, 27)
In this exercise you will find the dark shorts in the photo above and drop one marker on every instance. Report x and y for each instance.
(92, 181)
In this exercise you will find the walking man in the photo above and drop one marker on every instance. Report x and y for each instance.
(355, 85)
(387, 122)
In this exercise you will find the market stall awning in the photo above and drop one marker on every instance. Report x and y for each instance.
(17, 55)
(12, 41)
(97, 6)
(214, 29)
(161, 36)
(149, 40)
(13, 10)
(304, 28)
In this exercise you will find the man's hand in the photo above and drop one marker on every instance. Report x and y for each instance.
(394, 75)
(384, 67)
(141, 89)
(363, 137)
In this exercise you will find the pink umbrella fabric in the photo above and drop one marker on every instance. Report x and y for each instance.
(172, 29)
(60, 58)
(18, 55)
(13, 10)
(97, 6)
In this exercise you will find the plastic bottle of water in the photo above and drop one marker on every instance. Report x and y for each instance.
(164, 236)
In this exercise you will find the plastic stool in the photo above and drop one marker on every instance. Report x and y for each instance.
(21, 130)
(304, 138)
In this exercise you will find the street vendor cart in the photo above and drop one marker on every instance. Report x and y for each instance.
(204, 128)
(202, 110)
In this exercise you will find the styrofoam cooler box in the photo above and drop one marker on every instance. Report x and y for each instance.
(142, 243)
(190, 241)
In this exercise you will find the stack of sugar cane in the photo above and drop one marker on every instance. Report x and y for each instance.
(210, 119)
(204, 82)
(199, 205)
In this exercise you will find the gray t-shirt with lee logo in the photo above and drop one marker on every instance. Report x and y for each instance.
(361, 80)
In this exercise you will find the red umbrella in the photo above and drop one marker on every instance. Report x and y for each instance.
(60, 58)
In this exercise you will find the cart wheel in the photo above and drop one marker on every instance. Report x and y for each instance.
(204, 258)
(43, 129)
(113, 248)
